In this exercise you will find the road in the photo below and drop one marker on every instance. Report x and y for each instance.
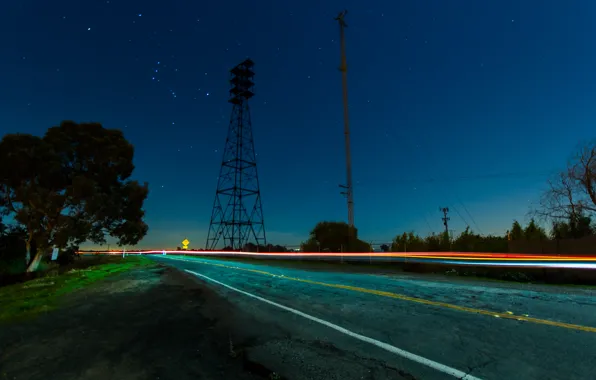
(369, 326)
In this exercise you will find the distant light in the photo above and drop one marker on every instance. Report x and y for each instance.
(207, 94)
(140, 14)
(88, 28)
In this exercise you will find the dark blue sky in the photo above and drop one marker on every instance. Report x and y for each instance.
(488, 98)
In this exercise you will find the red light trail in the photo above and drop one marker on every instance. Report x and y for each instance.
(451, 258)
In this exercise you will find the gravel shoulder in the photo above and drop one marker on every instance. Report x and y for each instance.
(151, 323)
(161, 323)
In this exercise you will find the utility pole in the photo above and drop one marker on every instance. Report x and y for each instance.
(445, 218)
(343, 67)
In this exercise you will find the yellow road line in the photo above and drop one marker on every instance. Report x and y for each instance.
(412, 299)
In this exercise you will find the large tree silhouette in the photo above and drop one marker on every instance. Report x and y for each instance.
(70, 186)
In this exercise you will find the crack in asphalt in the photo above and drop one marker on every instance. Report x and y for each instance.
(262, 370)
(477, 367)
(352, 355)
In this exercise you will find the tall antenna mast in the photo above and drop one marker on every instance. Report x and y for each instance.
(343, 67)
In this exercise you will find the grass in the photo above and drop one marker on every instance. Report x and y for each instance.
(28, 299)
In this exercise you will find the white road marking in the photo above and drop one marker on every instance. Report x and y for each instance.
(395, 350)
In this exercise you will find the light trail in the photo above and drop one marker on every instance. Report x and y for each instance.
(445, 258)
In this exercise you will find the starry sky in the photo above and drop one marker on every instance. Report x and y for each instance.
(470, 105)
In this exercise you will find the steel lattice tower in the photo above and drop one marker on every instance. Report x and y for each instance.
(237, 215)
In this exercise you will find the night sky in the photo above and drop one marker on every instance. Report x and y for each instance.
(465, 104)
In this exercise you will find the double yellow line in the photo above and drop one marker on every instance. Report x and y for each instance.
(506, 315)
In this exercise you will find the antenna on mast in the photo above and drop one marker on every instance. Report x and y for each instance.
(343, 67)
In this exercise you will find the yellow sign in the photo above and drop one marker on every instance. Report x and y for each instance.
(185, 244)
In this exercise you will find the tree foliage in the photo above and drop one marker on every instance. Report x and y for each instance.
(72, 185)
(330, 236)
(252, 247)
(574, 228)
(534, 232)
(408, 241)
(516, 232)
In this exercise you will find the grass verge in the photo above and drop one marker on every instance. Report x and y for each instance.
(28, 299)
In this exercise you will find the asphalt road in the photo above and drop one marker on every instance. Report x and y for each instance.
(392, 326)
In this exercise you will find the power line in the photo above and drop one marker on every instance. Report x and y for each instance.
(470, 215)
(462, 218)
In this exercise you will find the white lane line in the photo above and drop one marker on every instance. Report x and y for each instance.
(398, 351)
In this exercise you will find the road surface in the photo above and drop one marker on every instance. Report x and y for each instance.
(370, 326)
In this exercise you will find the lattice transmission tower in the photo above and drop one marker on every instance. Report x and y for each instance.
(237, 216)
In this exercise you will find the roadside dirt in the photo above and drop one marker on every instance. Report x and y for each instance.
(162, 323)
(144, 324)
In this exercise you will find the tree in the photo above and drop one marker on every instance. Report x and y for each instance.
(250, 247)
(534, 232)
(466, 241)
(560, 230)
(385, 248)
(408, 242)
(70, 186)
(583, 173)
(437, 243)
(516, 232)
(571, 193)
(334, 237)
(311, 245)
(581, 227)
(575, 228)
